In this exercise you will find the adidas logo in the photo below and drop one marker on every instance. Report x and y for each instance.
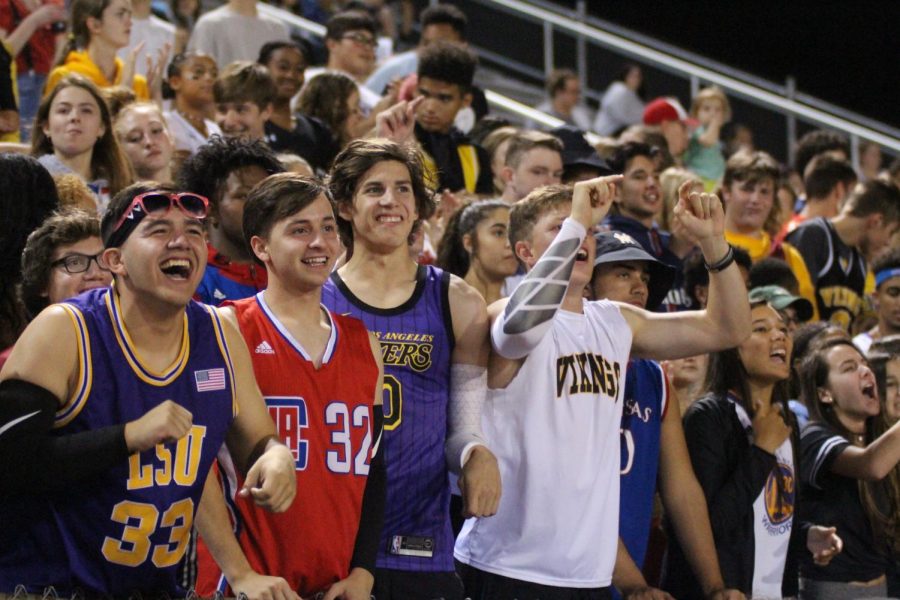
(218, 295)
(264, 348)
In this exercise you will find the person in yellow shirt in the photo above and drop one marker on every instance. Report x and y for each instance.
(748, 192)
(97, 30)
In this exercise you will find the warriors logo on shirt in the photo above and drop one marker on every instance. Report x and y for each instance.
(779, 497)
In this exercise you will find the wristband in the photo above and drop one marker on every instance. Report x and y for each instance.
(721, 264)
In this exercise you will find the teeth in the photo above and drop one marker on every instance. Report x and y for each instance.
(582, 255)
(389, 219)
(176, 262)
(320, 260)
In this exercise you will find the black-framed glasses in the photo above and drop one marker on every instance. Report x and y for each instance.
(361, 39)
(78, 263)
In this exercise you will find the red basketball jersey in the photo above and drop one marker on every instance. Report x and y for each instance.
(324, 416)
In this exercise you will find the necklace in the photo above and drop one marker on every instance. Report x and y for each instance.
(195, 122)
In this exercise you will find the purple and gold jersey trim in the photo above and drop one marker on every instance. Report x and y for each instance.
(82, 388)
(131, 355)
(223, 347)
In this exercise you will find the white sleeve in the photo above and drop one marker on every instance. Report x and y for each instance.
(468, 387)
(532, 306)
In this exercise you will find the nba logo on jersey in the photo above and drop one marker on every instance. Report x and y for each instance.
(291, 417)
(210, 380)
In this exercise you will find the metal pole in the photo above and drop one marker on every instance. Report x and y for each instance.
(791, 91)
(695, 86)
(548, 48)
(581, 43)
(854, 151)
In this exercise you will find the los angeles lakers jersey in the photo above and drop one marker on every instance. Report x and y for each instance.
(416, 347)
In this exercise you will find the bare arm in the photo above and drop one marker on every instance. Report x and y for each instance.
(629, 580)
(252, 439)
(725, 322)
(873, 462)
(685, 503)
(46, 14)
(214, 525)
(711, 135)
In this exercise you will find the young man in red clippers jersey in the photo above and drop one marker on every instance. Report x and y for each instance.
(321, 376)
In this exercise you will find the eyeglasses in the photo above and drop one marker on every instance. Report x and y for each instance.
(193, 205)
(78, 263)
(361, 39)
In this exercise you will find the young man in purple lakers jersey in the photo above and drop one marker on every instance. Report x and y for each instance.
(653, 448)
(433, 333)
(113, 406)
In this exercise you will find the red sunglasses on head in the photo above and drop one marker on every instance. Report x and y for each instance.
(192, 205)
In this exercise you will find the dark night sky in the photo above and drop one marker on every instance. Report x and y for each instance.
(847, 53)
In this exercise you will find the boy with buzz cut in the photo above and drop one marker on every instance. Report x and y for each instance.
(244, 93)
(320, 374)
(533, 159)
(452, 162)
(556, 392)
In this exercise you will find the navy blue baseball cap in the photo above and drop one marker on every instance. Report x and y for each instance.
(616, 246)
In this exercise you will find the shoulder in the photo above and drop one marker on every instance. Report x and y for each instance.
(465, 300)
(711, 408)
(808, 231)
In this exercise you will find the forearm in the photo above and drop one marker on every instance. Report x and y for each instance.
(626, 575)
(468, 387)
(727, 310)
(20, 36)
(688, 514)
(710, 137)
(368, 536)
(34, 460)
(530, 311)
(213, 523)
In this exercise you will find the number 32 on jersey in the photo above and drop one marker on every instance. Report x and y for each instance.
(291, 417)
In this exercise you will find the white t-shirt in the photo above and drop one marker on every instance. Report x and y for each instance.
(555, 432)
(773, 519)
(155, 33)
(184, 136)
(228, 36)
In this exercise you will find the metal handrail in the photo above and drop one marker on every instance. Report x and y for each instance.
(754, 93)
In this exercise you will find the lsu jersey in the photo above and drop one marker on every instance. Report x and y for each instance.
(416, 346)
(324, 415)
(124, 532)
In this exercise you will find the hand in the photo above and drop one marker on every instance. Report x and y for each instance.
(824, 544)
(591, 199)
(163, 424)
(769, 428)
(727, 595)
(49, 13)
(357, 586)
(262, 587)
(479, 483)
(398, 122)
(128, 65)
(647, 593)
(272, 481)
(699, 214)
(155, 71)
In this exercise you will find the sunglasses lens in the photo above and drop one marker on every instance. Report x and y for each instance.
(193, 205)
(154, 203)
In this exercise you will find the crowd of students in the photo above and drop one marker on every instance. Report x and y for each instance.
(410, 313)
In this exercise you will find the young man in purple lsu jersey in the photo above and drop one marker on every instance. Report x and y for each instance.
(432, 328)
(653, 446)
(113, 406)
(554, 407)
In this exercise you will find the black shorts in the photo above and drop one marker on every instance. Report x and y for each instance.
(481, 585)
(391, 584)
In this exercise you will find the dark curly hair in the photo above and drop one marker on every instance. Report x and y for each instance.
(61, 229)
(448, 63)
(206, 171)
(325, 97)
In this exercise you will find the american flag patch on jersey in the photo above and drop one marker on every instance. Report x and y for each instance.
(210, 380)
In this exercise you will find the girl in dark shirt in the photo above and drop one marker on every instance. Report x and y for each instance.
(839, 450)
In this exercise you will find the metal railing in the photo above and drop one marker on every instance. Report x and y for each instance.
(781, 99)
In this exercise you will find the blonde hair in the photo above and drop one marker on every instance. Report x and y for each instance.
(670, 181)
(74, 193)
(712, 92)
